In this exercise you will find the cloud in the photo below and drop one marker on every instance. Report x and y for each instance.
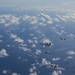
(3, 53)
(15, 74)
(68, 58)
(31, 19)
(54, 29)
(45, 40)
(71, 52)
(57, 72)
(56, 59)
(4, 71)
(13, 36)
(38, 52)
(33, 70)
(33, 45)
(1, 41)
(30, 41)
(45, 62)
(34, 73)
(16, 39)
(71, 36)
(25, 49)
(49, 19)
(9, 19)
(19, 40)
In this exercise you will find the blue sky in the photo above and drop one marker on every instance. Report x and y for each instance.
(39, 3)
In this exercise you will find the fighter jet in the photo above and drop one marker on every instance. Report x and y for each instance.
(45, 44)
(63, 38)
(53, 65)
(48, 52)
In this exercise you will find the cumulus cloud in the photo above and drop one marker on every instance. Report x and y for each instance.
(13, 36)
(57, 72)
(68, 17)
(49, 19)
(45, 62)
(71, 52)
(33, 69)
(33, 45)
(15, 74)
(30, 41)
(45, 40)
(31, 19)
(38, 52)
(71, 36)
(9, 20)
(58, 32)
(16, 39)
(34, 73)
(19, 40)
(68, 58)
(1, 41)
(25, 49)
(4, 71)
(3, 53)
(56, 59)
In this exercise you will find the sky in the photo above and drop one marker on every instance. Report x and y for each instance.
(39, 3)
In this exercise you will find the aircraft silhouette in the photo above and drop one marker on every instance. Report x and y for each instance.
(48, 52)
(53, 65)
(63, 38)
(46, 44)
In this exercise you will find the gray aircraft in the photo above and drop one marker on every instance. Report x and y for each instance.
(53, 65)
(63, 38)
(48, 52)
(46, 44)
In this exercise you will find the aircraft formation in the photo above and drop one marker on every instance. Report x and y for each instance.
(48, 52)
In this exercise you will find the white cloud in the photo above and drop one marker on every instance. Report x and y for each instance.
(57, 72)
(56, 19)
(49, 19)
(33, 45)
(32, 19)
(35, 38)
(30, 41)
(4, 71)
(33, 69)
(36, 41)
(45, 40)
(45, 62)
(25, 49)
(68, 58)
(71, 52)
(3, 53)
(56, 59)
(1, 36)
(38, 52)
(19, 40)
(1, 41)
(15, 74)
(43, 19)
(9, 20)
(13, 36)
(34, 73)
(58, 32)
(60, 68)
(71, 36)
